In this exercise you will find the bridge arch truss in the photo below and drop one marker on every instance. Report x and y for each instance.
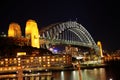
(69, 32)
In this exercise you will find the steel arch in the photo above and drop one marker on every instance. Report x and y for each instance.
(54, 31)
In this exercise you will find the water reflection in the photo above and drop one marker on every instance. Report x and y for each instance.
(94, 74)
(66, 75)
(87, 74)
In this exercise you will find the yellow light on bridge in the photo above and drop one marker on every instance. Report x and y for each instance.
(14, 30)
(100, 47)
(31, 32)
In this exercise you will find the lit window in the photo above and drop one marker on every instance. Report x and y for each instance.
(60, 59)
(48, 65)
(48, 59)
(15, 62)
(9, 68)
(14, 68)
(31, 60)
(14, 59)
(18, 58)
(63, 56)
(31, 57)
(19, 64)
(56, 59)
(39, 60)
(5, 68)
(44, 65)
(1, 69)
(2, 62)
(48, 62)
(44, 57)
(27, 61)
(6, 59)
(52, 59)
(48, 56)
(39, 57)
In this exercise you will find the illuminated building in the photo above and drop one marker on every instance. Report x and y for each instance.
(31, 32)
(71, 50)
(14, 30)
(22, 65)
(34, 62)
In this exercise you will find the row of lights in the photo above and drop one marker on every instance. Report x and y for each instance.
(8, 68)
(33, 60)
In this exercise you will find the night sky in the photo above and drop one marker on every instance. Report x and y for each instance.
(97, 16)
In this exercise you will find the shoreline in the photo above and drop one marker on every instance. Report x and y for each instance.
(64, 68)
(82, 67)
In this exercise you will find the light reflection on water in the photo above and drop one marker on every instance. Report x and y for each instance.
(87, 74)
(94, 74)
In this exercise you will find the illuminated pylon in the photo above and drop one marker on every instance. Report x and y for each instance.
(100, 48)
(31, 32)
(14, 30)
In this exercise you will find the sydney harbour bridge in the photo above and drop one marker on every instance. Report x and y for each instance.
(67, 33)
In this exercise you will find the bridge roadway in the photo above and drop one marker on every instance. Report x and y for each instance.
(67, 42)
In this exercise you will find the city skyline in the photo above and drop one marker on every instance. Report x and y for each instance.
(95, 16)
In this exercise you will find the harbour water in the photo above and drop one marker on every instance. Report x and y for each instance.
(87, 74)
(108, 73)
